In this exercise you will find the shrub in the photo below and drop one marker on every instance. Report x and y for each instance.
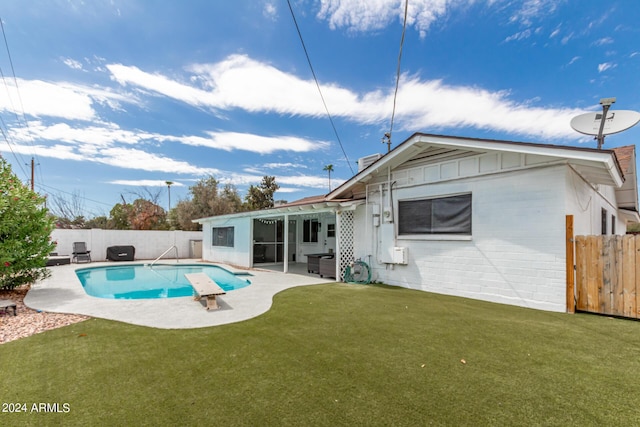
(25, 232)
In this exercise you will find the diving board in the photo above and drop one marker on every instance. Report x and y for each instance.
(205, 287)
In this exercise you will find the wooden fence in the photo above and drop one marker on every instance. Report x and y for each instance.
(606, 269)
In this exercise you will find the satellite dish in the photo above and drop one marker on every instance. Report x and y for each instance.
(616, 121)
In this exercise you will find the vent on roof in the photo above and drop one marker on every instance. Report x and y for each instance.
(364, 162)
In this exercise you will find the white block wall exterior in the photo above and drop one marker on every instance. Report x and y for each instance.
(149, 244)
(516, 254)
(240, 254)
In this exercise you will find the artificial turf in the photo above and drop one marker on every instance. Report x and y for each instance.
(333, 355)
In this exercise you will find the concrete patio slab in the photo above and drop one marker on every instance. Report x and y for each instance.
(63, 293)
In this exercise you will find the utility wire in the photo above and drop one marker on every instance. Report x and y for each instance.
(395, 94)
(5, 135)
(335, 131)
(15, 80)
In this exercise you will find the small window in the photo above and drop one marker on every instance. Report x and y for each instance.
(603, 219)
(222, 236)
(331, 230)
(613, 224)
(310, 231)
(444, 215)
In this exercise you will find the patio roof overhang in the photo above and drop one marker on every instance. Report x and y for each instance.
(292, 209)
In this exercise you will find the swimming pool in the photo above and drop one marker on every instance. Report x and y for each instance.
(139, 281)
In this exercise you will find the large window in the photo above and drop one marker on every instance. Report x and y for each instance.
(310, 229)
(444, 215)
(222, 236)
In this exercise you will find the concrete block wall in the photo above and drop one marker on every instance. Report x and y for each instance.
(516, 254)
(149, 244)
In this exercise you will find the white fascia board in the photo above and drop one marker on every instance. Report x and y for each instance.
(273, 212)
(629, 215)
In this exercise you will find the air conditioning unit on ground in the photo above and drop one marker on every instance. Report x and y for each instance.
(364, 162)
(400, 256)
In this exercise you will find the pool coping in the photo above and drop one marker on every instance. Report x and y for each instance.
(63, 293)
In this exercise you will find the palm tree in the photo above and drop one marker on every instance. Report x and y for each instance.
(329, 169)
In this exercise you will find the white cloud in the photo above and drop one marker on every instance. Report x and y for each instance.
(229, 141)
(283, 165)
(132, 158)
(424, 105)
(534, 10)
(72, 63)
(144, 183)
(606, 66)
(554, 33)
(133, 76)
(373, 15)
(566, 39)
(603, 41)
(59, 99)
(241, 82)
(519, 35)
(270, 11)
(574, 59)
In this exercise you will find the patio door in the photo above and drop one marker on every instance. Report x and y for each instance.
(268, 241)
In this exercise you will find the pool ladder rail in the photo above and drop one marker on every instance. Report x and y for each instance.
(164, 253)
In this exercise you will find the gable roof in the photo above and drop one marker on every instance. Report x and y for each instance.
(597, 166)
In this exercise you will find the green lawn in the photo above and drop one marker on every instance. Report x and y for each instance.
(336, 355)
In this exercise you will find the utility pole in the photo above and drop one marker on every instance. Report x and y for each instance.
(33, 165)
(386, 139)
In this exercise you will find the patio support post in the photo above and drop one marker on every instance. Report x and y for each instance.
(286, 244)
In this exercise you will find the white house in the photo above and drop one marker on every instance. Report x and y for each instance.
(477, 218)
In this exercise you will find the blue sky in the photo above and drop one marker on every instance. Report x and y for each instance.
(113, 98)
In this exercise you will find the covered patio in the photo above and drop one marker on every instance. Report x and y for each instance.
(311, 236)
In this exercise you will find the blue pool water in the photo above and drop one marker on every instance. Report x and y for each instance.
(139, 281)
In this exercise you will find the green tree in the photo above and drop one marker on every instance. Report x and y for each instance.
(119, 217)
(98, 222)
(25, 232)
(261, 196)
(207, 200)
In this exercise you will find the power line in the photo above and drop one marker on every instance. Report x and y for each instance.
(304, 47)
(395, 93)
(6, 138)
(15, 80)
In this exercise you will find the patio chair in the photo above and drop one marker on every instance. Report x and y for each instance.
(80, 252)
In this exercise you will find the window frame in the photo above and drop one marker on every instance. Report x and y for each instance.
(229, 237)
(309, 231)
(436, 235)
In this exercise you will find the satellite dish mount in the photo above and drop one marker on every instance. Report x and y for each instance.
(606, 104)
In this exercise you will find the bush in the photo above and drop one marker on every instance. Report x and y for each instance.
(25, 232)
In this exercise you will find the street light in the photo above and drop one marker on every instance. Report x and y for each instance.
(169, 184)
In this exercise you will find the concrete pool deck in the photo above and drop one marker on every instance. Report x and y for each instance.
(63, 293)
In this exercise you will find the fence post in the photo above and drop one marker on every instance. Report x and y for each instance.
(571, 305)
